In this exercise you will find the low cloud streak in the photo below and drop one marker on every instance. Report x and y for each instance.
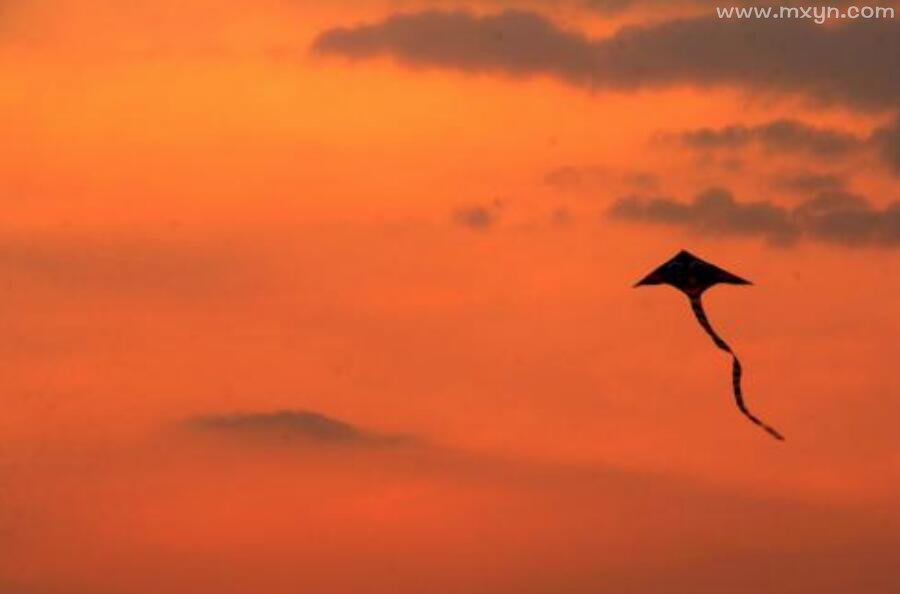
(778, 136)
(289, 427)
(833, 217)
(788, 136)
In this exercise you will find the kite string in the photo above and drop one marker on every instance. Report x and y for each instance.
(736, 370)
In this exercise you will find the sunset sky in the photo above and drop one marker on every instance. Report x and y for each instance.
(336, 298)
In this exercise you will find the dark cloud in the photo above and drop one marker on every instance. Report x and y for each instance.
(834, 217)
(288, 426)
(792, 136)
(807, 182)
(826, 63)
(843, 218)
(610, 6)
(516, 42)
(712, 212)
(854, 63)
(476, 217)
(782, 136)
(887, 140)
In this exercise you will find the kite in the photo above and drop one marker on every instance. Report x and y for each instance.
(692, 276)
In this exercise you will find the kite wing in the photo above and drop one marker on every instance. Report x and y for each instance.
(697, 306)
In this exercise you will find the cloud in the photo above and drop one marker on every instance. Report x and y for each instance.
(542, 527)
(839, 217)
(712, 212)
(288, 426)
(807, 182)
(476, 216)
(792, 136)
(515, 42)
(835, 217)
(887, 140)
(610, 6)
(778, 136)
(854, 63)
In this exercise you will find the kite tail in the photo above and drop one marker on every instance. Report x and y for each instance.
(739, 397)
(697, 306)
(736, 370)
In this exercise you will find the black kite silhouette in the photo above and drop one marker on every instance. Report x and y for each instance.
(692, 276)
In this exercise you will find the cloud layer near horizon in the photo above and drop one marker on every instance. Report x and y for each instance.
(837, 64)
(288, 426)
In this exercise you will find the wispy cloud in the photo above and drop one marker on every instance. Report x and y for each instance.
(834, 217)
(778, 136)
(714, 211)
(787, 136)
(809, 182)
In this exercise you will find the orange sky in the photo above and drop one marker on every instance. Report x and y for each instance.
(204, 216)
